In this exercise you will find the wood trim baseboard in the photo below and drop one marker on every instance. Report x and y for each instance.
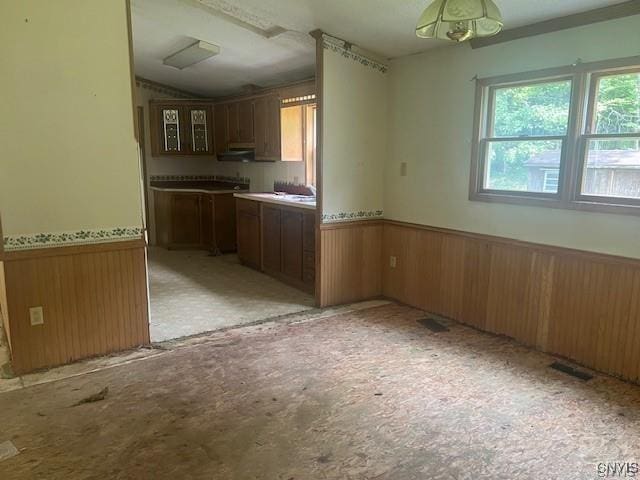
(352, 224)
(15, 255)
(539, 247)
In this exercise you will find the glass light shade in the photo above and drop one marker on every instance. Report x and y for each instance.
(459, 20)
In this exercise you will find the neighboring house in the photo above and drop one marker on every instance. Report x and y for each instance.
(609, 173)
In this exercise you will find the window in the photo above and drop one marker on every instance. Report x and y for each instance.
(298, 133)
(550, 181)
(565, 138)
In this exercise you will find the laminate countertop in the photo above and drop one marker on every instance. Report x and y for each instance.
(297, 201)
(197, 187)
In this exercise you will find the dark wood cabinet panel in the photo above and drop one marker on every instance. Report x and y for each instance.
(248, 232)
(186, 218)
(245, 121)
(271, 235)
(267, 127)
(292, 244)
(278, 240)
(309, 232)
(233, 121)
(195, 220)
(224, 222)
(272, 127)
(221, 128)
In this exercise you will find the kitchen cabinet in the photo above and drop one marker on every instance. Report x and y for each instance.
(240, 117)
(267, 127)
(248, 232)
(278, 240)
(221, 128)
(272, 246)
(291, 228)
(181, 128)
(195, 220)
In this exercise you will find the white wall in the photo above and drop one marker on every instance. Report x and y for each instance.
(431, 119)
(354, 135)
(69, 156)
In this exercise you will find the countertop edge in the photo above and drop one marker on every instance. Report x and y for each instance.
(260, 197)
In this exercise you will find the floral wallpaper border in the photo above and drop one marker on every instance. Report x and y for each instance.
(186, 178)
(361, 59)
(79, 237)
(349, 216)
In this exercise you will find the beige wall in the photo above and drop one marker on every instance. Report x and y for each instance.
(69, 157)
(431, 117)
(354, 135)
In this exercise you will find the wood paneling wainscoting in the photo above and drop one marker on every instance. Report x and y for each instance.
(94, 299)
(350, 258)
(580, 305)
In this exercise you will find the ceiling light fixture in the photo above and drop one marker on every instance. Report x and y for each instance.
(459, 20)
(194, 53)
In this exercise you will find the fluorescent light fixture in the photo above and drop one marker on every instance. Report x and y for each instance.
(191, 55)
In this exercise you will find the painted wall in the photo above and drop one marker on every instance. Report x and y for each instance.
(431, 119)
(69, 159)
(354, 135)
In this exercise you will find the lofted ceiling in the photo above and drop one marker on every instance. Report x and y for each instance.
(266, 42)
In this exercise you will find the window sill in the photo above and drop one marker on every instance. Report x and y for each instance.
(606, 206)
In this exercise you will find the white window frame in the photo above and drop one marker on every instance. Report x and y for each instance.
(584, 77)
(548, 171)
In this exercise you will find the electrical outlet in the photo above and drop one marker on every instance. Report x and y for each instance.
(393, 261)
(36, 315)
(403, 169)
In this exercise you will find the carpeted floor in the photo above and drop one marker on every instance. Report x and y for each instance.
(191, 292)
(370, 394)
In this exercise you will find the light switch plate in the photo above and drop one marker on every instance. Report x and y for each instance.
(393, 261)
(36, 315)
(403, 169)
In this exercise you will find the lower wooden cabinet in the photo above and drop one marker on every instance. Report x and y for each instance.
(195, 220)
(272, 248)
(278, 240)
(291, 227)
(248, 232)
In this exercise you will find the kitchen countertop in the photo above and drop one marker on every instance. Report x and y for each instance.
(286, 200)
(197, 187)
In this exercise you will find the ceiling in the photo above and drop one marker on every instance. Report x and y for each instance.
(266, 42)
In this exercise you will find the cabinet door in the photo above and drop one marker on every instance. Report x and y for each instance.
(271, 248)
(248, 223)
(186, 218)
(221, 128)
(198, 119)
(292, 244)
(224, 222)
(166, 124)
(260, 128)
(206, 221)
(233, 116)
(245, 121)
(272, 127)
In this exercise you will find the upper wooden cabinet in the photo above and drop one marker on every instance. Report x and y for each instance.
(221, 128)
(181, 128)
(240, 121)
(267, 127)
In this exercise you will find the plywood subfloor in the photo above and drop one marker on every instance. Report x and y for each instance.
(369, 394)
(192, 292)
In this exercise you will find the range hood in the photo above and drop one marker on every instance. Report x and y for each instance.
(240, 153)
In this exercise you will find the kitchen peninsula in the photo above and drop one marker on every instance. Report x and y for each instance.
(276, 235)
